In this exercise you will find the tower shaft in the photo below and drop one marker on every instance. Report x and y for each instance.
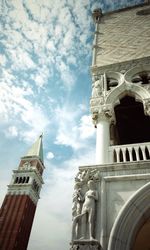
(19, 206)
(16, 222)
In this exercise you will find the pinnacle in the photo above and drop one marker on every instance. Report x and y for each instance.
(36, 149)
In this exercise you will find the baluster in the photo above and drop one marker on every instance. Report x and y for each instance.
(130, 154)
(124, 154)
(137, 154)
(117, 152)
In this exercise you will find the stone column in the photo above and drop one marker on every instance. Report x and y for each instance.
(103, 138)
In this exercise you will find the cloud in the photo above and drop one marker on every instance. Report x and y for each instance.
(86, 128)
(35, 35)
(50, 155)
(2, 60)
(12, 131)
(30, 118)
(73, 128)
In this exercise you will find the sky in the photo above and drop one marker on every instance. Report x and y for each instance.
(45, 87)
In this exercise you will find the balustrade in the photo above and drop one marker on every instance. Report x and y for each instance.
(130, 152)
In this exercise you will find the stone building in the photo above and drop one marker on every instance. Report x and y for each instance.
(111, 201)
(19, 205)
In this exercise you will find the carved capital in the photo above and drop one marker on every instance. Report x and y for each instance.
(85, 245)
(97, 102)
(106, 113)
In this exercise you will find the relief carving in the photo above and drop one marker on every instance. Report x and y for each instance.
(85, 247)
(147, 107)
(85, 205)
(26, 165)
(84, 176)
(97, 87)
(77, 200)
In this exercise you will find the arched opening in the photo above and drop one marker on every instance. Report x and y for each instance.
(27, 179)
(132, 124)
(140, 154)
(127, 155)
(133, 154)
(142, 240)
(121, 156)
(115, 156)
(132, 222)
(147, 153)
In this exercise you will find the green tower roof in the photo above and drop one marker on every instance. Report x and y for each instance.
(36, 149)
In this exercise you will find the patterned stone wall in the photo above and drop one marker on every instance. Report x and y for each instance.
(123, 36)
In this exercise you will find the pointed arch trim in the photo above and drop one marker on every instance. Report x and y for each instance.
(124, 89)
(133, 214)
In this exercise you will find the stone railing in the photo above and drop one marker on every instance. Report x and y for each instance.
(129, 152)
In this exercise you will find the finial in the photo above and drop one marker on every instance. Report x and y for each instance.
(97, 14)
(41, 135)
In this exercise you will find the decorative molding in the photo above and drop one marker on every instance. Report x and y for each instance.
(104, 100)
(83, 176)
(24, 191)
(122, 66)
(85, 245)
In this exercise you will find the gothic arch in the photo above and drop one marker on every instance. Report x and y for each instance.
(130, 219)
(130, 73)
(130, 89)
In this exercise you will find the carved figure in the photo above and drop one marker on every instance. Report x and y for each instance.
(82, 176)
(87, 214)
(27, 164)
(94, 175)
(77, 200)
(97, 87)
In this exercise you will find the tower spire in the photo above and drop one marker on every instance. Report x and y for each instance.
(36, 149)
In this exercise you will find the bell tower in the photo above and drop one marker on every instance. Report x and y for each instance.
(114, 212)
(18, 208)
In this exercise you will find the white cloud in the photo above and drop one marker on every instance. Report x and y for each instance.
(21, 59)
(2, 60)
(73, 128)
(36, 120)
(30, 118)
(36, 27)
(12, 131)
(86, 127)
(50, 155)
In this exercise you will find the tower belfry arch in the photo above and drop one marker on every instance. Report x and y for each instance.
(120, 107)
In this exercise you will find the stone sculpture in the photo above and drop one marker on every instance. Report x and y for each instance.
(77, 200)
(97, 87)
(87, 215)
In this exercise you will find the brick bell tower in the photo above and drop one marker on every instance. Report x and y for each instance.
(19, 205)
